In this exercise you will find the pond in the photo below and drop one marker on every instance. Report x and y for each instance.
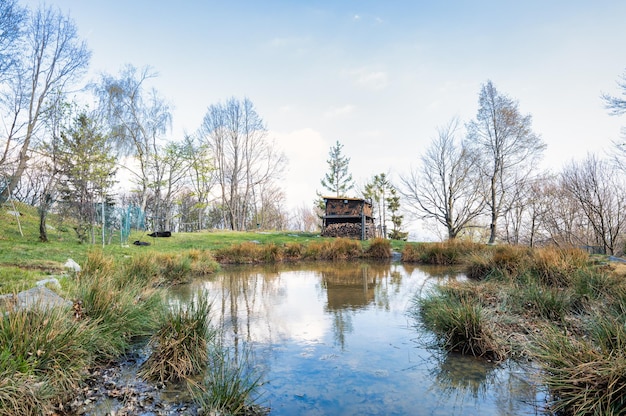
(336, 339)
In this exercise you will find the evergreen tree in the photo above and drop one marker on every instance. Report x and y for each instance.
(393, 204)
(338, 179)
(88, 165)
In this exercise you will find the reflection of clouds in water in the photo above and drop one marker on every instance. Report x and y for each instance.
(270, 310)
(359, 355)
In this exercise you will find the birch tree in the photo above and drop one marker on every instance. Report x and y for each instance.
(244, 159)
(139, 121)
(508, 147)
(52, 58)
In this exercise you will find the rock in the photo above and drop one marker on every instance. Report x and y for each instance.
(72, 266)
(51, 280)
(37, 297)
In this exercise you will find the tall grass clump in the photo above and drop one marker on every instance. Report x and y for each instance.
(141, 268)
(442, 253)
(335, 249)
(180, 346)
(202, 262)
(293, 251)
(174, 269)
(123, 309)
(230, 383)
(271, 253)
(511, 261)
(582, 379)
(546, 302)
(594, 284)
(379, 248)
(21, 394)
(243, 253)
(458, 322)
(43, 356)
(555, 266)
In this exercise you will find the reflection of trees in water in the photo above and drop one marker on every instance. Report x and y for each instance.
(462, 374)
(459, 377)
(342, 325)
(240, 292)
(353, 286)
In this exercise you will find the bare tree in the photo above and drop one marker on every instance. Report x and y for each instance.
(54, 56)
(12, 17)
(617, 104)
(378, 190)
(202, 176)
(244, 159)
(504, 139)
(601, 194)
(305, 219)
(139, 121)
(176, 162)
(446, 188)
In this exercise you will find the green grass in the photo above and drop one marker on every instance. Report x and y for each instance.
(230, 383)
(180, 346)
(557, 308)
(24, 259)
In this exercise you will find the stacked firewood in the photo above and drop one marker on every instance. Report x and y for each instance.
(346, 229)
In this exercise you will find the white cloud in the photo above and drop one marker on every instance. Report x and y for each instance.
(306, 151)
(368, 79)
(340, 111)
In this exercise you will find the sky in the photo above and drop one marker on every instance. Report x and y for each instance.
(379, 77)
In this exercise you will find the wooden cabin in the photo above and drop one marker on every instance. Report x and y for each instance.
(348, 217)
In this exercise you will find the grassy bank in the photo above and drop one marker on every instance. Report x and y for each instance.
(117, 302)
(24, 260)
(46, 352)
(559, 308)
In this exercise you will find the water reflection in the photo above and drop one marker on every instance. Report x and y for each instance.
(335, 338)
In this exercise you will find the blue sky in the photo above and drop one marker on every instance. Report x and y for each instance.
(378, 76)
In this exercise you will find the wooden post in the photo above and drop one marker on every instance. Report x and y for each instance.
(363, 233)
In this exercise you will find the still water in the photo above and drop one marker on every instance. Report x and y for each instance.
(337, 339)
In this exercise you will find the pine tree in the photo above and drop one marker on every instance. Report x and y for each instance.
(338, 180)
